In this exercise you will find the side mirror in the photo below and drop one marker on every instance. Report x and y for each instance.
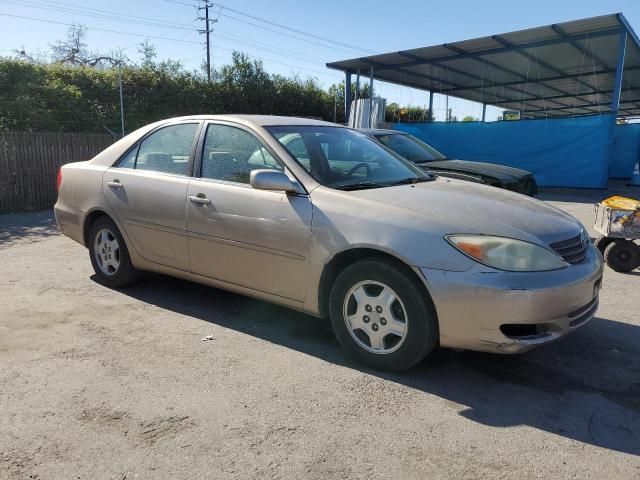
(271, 180)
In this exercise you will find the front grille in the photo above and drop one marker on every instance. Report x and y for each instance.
(573, 250)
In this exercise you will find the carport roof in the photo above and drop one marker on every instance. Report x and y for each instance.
(564, 69)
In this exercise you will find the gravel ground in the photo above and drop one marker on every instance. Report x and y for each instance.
(98, 383)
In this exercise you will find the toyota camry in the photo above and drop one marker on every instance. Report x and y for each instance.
(322, 219)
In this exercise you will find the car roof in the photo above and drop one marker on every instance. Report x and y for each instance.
(261, 120)
(117, 149)
(380, 131)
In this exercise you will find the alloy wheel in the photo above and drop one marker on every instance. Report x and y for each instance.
(106, 250)
(375, 317)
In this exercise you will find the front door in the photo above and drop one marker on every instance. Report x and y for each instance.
(147, 189)
(252, 238)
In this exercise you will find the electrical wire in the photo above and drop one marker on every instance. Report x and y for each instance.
(327, 74)
(97, 28)
(231, 17)
(106, 16)
(180, 26)
(285, 27)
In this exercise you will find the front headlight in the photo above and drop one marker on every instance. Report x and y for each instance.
(506, 253)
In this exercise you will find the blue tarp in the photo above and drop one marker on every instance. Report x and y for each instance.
(567, 152)
(626, 151)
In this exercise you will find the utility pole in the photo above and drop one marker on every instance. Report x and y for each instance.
(207, 31)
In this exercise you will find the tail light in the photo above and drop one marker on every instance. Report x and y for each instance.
(59, 180)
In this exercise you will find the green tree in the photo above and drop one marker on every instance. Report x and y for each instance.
(72, 49)
(148, 54)
(408, 114)
(77, 97)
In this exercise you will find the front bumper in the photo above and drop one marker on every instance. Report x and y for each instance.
(475, 308)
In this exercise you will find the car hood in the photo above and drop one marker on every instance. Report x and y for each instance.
(466, 207)
(500, 172)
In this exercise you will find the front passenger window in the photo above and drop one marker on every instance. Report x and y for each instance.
(167, 150)
(231, 154)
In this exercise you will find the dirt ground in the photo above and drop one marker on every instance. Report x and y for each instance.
(98, 383)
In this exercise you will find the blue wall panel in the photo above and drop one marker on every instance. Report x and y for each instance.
(626, 151)
(568, 152)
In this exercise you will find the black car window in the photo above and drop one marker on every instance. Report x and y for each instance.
(410, 147)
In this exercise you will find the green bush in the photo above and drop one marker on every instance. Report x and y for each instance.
(79, 98)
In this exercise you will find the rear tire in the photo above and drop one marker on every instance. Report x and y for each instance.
(382, 316)
(622, 256)
(109, 255)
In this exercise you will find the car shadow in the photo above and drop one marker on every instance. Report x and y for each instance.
(586, 387)
(27, 227)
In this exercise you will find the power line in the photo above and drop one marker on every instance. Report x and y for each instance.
(98, 28)
(110, 15)
(104, 14)
(267, 47)
(285, 27)
(116, 13)
(161, 38)
(269, 29)
(326, 74)
(284, 34)
(279, 25)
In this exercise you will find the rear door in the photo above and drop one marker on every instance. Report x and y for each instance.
(252, 238)
(147, 189)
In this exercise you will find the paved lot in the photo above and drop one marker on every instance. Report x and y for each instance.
(97, 383)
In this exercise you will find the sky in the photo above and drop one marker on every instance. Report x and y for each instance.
(318, 31)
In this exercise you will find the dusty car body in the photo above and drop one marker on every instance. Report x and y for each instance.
(267, 223)
(415, 150)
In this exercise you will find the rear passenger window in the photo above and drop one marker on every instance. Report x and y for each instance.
(231, 154)
(129, 160)
(166, 150)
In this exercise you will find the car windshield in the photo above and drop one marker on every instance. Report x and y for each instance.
(410, 147)
(344, 159)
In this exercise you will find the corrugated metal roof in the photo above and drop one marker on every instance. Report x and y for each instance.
(555, 70)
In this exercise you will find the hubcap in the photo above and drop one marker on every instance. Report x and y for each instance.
(375, 317)
(107, 252)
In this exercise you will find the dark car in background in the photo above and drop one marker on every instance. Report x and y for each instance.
(427, 157)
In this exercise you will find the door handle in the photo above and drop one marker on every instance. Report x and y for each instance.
(115, 184)
(199, 199)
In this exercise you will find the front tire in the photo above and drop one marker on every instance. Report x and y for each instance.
(109, 255)
(382, 316)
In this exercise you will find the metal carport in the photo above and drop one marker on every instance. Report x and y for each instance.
(575, 68)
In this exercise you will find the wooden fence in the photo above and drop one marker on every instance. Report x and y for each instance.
(29, 164)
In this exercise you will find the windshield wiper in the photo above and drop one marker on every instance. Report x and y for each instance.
(360, 186)
(411, 180)
(426, 162)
